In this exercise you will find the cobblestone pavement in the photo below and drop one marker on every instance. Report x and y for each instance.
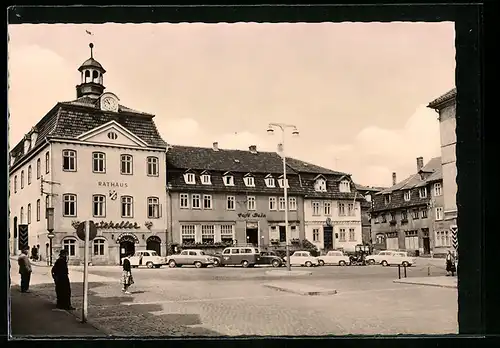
(234, 301)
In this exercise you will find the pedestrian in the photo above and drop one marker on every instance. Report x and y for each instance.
(24, 269)
(127, 278)
(34, 253)
(450, 264)
(61, 280)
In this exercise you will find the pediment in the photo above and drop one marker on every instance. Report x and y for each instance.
(112, 133)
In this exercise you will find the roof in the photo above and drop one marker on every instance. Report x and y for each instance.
(442, 99)
(305, 167)
(369, 188)
(95, 103)
(91, 63)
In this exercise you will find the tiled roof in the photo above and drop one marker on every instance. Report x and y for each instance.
(369, 188)
(94, 102)
(445, 97)
(305, 167)
(332, 188)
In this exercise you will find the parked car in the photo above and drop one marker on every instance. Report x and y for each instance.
(387, 258)
(334, 257)
(244, 256)
(190, 257)
(303, 258)
(269, 258)
(148, 258)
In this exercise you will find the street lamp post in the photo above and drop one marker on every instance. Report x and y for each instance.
(50, 229)
(295, 132)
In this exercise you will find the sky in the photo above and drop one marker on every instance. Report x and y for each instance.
(357, 92)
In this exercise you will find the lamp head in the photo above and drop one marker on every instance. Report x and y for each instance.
(295, 132)
(270, 130)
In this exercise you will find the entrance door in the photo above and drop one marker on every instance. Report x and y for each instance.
(427, 245)
(154, 243)
(282, 234)
(127, 248)
(253, 236)
(328, 238)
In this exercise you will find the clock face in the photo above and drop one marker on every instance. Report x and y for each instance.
(109, 104)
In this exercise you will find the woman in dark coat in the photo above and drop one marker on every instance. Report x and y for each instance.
(127, 278)
(61, 279)
(450, 264)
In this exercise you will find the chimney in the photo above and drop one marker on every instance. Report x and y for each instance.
(216, 146)
(394, 181)
(253, 148)
(420, 163)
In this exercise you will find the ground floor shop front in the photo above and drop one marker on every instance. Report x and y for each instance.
(330, 235)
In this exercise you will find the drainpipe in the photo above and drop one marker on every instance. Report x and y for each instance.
(171, 220)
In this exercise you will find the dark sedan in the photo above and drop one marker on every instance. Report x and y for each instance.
(270, 258)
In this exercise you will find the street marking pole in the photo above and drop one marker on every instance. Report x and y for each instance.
(86, 273)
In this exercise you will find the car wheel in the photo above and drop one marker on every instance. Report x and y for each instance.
(308, 264)
(384, 263)
(244, 263)
(321, 262)
(172, 264)
(371, 262)
(276, 263)
(341, 263)
(150, 264)
(405, 264)
(198, 264)
(216, 263)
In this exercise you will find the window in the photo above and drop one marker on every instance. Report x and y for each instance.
(327, 207)
(126, 164)
(292, 203)
(195, 201)
(226, 233)
(15, 183)
(207, 202)
(207, 234)
(184, 200)
(439, 213)
(21, 215)
(270, 182)
(153, 208)
(407, 195)
(384, 218)
(230, 203)
(187, 234)
(437, 189)
(345, 186)
(29, 213)
(251, 203)
(341, 209)
(69, 204)
(404, 216)
(189, 178)
(38, 210)
(387, 199)
(205, 179)
(98, 162)
(423, 213)
(379, 238)
(127, 206)
(152, 166)
(249, 181)
(315, 234)
(411, 240)
(98, 205)
(315, 208)
(47, 202)
(350, 209)
(342, 234)
(422, 192)
(272, 203)
(29, 175)
(22, 179)
(69, 160)
(47, 162)
(70, 246)
(392, 243)
(98, 247)
(228, 180)
(352, 234)
(38, 172)
(320, 185)
(281, 203)
(280, 183)
(112, 135)
(415, 214)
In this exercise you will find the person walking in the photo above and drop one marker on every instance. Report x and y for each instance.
(61, 280)
(450, 264)
(127, 278)
(24, 269)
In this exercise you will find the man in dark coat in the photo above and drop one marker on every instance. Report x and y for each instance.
(61, 279)
(24, 269)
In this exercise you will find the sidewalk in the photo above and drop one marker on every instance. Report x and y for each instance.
(442, 282)
(34, 315)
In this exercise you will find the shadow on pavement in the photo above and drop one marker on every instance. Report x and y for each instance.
(117, 315)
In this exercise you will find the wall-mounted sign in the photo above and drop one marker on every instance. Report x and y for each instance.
(113, 194)
(252, 225)
(117, 225)
(251, 215)
(112, 184)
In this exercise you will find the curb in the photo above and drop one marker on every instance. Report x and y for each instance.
(287, 273)
(301, 292)
(426, 284)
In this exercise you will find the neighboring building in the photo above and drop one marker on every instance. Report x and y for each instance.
(90, 158)
(367, 192)
(409, 214)
(446, 107)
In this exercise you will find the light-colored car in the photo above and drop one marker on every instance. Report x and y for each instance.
(148, 258)
(334, 257)
(190, 257)
(303, 258)
(387, 258)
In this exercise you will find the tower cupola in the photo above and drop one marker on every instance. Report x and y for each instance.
(92, 83)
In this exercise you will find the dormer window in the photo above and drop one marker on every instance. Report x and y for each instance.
(387, 199)
(228, 179)
(269, 181)
(281, 181)
(407, 195)
(423, 192)
(345, 186)
(189, 178)
(320, 185)
(249, 180)
(205, 179)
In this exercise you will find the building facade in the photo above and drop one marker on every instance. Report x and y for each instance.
(367, 192)
(408, 215)
(91, 159)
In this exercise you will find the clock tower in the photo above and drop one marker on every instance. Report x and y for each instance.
(91, 77)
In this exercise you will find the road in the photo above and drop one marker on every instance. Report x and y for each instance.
(234, 301)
